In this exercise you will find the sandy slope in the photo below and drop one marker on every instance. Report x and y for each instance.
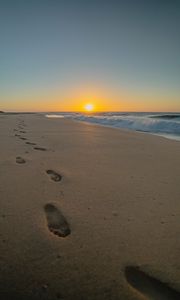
(118, 200)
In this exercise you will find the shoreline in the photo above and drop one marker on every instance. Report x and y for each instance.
(86, 209)
(169, 136)
(166, 135)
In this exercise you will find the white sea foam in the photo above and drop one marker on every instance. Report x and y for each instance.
(54, 116)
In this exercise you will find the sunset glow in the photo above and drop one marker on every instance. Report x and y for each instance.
(119, 63)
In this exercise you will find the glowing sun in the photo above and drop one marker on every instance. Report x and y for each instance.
(89, 107)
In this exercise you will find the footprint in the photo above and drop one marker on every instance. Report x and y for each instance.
(148, 286)
(40, 148)
(57, 223)
(22, 138)
(54, 176)
(20, 160)
(29, 143)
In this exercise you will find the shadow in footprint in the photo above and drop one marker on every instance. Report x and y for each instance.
(40, 148)
(54, 176)
(149, 286)
(57, 223)
(23, 138)
(29, 143)
(20, 160)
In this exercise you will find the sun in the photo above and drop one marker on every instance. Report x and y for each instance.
(89, 107)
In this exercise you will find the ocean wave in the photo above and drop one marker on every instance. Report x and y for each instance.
(135, 123)
(168, 116)
(162, 124)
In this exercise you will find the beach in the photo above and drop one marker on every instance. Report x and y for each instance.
(87, 212)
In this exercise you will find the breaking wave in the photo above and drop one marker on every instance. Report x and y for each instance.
(167, 124)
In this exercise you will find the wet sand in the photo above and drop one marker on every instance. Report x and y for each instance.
(87, 212)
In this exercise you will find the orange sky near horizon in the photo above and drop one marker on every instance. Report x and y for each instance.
(102, 100)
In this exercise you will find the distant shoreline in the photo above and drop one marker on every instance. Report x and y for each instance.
(17, 113)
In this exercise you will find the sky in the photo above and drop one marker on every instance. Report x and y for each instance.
(120, 55)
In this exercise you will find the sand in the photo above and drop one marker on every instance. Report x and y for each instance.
(87, 212)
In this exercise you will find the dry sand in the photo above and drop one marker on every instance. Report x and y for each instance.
(83, 207)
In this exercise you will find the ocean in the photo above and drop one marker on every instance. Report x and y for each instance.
(162, 124)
